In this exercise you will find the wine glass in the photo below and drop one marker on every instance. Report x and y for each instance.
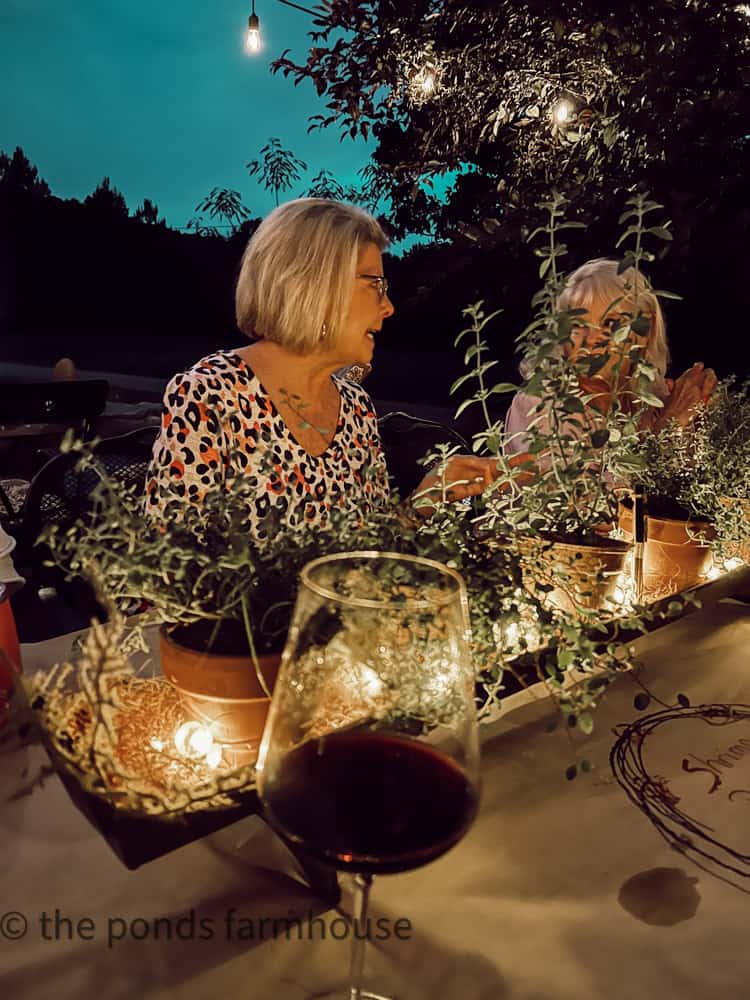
(370, 756)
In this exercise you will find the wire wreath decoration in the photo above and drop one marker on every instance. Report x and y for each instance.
(652, 794)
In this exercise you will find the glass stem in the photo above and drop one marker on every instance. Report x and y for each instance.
(361, 900)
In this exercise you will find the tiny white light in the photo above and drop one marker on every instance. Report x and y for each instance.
(714, 572)
(370, 684)
(157, 744)
(730, 564)
(562, 112)
(214, 756)
(428, 82)
(193, 740)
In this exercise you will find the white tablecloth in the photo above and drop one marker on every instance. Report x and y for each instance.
(528, 906)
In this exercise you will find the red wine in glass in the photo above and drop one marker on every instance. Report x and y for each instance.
(370, 756)
(370, 802)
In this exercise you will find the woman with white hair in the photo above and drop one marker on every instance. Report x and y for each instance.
(610, 299)
(313, 298)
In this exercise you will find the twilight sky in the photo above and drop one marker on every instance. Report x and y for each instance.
(160, 96)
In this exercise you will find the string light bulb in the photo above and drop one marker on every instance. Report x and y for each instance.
(562, 112)
(252, 39)
(423, 82)
(427, 81)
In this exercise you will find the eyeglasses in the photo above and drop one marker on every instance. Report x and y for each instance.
(380, 282)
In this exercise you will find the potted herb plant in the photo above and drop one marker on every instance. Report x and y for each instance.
(219, 600)
(678, 534)
(719, 488)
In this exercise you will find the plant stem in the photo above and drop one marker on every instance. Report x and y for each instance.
(251, 643)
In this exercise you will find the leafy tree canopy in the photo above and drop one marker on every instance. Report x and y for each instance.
(505, 99)
(278, 168)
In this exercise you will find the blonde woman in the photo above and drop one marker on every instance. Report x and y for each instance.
(313, 298)
(608, 299)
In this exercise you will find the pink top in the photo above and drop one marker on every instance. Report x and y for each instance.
(524, 409)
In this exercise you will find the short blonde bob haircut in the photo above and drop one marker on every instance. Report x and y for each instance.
(596, 287)
(297, 275)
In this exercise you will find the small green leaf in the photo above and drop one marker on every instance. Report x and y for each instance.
(565, 657)
(586, 723)
(460, 381)
(641, 701)
(599, 438)
(683, 700)
(572, 404)
(640, 325)
(466, 403)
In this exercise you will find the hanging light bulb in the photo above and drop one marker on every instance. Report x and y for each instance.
(252, 39)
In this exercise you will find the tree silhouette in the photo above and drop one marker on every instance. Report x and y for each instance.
(221, 203)
(277, 168)
(17, 175)
(325, 185)
(106, 201)
(148, 213)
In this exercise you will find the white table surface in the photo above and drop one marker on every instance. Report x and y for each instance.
(525, 907)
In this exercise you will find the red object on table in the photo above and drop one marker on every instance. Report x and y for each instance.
(10, 651)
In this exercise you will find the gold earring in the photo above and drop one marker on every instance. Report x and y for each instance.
(323, 332)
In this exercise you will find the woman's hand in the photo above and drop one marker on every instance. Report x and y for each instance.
(693, 387)
(463, 476)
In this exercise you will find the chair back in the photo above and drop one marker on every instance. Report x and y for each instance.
(406, 439)
(61, 494)
(76, 403)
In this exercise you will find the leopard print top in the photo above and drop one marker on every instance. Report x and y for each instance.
(219, 423)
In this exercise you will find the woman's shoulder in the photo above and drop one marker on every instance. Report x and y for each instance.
(227, 366)
(222, 373)
(355, 397)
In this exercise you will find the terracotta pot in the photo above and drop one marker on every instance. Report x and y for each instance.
(586, 575)
(222, 691)
(676, 554)
(739, 548)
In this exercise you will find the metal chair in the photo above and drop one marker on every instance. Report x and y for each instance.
(61, 494)
(406, 439)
